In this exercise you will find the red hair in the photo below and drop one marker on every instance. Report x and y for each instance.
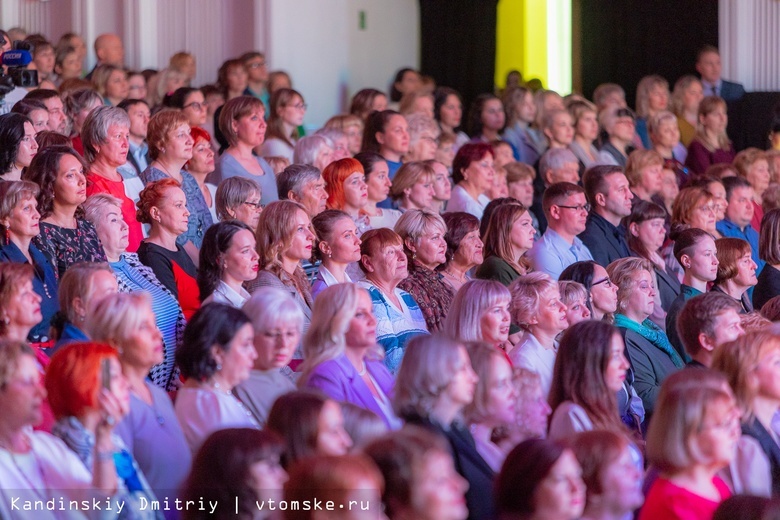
(151, 196)
(198, 133)
(73, 377)
(467, 154)
(334, 175)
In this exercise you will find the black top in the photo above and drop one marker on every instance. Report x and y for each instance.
(162, 261)
(606, 242)
(755, 429)
(768, 286)
(469, 464)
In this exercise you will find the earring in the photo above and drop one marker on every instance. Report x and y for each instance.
(219, 367)
(6, 320)
(414, 255)
(7, 236)
(330, 255)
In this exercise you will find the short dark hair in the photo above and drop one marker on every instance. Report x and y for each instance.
(594, 180)
(555, 192)
(706, 49)
(732, 183)
(25, 106)
(42, 94)
(699, 315)
(214, 324)
(459, 224)
(125, 104)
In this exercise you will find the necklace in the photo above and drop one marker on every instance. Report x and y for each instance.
(461, 279)
(362, 371)
(244, 409)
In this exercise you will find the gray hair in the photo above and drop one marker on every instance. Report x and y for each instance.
(96, 206)
(95, 129)
(308, 148)
(294, 178)
(269, 307)
(331, 133)
(414, 223)
(555, 159)
(418, 125)
(232, 192)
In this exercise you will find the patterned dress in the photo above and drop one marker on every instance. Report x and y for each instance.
(69, 246)
(431, 292)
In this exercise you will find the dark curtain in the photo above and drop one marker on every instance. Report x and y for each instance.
(623, 41)
(458, 45)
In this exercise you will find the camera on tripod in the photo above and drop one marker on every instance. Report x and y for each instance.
(16, 61)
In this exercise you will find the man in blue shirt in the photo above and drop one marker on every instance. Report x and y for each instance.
(566, 210)
(739, 212)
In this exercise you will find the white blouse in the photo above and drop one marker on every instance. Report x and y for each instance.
(203, 411)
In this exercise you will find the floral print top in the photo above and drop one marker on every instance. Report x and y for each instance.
(69, 246)
(431, 292)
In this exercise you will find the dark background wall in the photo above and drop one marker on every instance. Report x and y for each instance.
(622, 41)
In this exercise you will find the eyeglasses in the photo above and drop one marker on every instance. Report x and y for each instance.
(606, 281)
(585, 207)
(257, 206)
(711, 208)
(197, 105)
(299, 106)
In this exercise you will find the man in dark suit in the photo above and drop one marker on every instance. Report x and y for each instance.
(610, 200)
(709, 68)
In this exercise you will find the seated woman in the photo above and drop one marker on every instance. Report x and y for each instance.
(694, 207)
(464, 248)
(652, 96)
(711, 144)
(31, 460)
(314, 150)
(78, 104)
(216, 354)
(417, 466)
(238, 198)
(695, 250)
(591, 351)
(105, 212)
(233, 463)
(652, 357)
(752, 165)
(150, 431)
(749, 364)
(202, 165)
(284, 238)
(347, 189)
(398, 316)
(537, 309)
(413, 186)
(768, 285)
(352, 478)
(486, 118)
(434, 385)
(423, 136)
(278, 324)
(422, 233)
(377, 189)
(338, 246)
(619, 124)
(495, 398)
(586, 131)
(665, 136)
(110, 81)
(163, 205)
(602, 300)
(575, 297)
(190, 101)
(285, 114)
(612, 479)
(510, 235)
(170, 147)
(540, 479)
(480, 312)
(83, 285)
(686, 96)
(87, 412)
(314, 413)
(242, 122)
(442, 188)
(686, 457)
(105, 149)
(643, 171)
(17, 140)
(472, 173)
(342, 358)
(64, 233)
(351, 126)
(387, 134)
(645, 236)
(228, 259)
(19, 219)
(736, 271)
(366, 101)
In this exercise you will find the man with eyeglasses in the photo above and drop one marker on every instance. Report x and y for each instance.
(566, 210)
(609, 195)
(555, 165)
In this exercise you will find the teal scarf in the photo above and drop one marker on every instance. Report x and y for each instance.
(652, 333)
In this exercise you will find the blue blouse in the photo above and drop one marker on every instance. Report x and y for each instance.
(44, 284)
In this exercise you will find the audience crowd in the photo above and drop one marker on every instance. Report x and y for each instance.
(546, 307)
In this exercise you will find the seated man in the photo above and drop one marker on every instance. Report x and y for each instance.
(566, 210)
(555, 165)
(739, 214)
(706, 322)
(709, 68)
(610, 200)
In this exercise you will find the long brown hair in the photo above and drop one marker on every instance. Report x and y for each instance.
(496, 239)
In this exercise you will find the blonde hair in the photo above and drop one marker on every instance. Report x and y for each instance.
(471, 301)
(414, 223)
(622, 272)
(638, 160)
(481, 356)
(527, 291)
(408, 175)
(708, 105)
(116, 317)
(643, 89)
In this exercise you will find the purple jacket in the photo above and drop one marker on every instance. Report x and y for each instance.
(338, 379)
